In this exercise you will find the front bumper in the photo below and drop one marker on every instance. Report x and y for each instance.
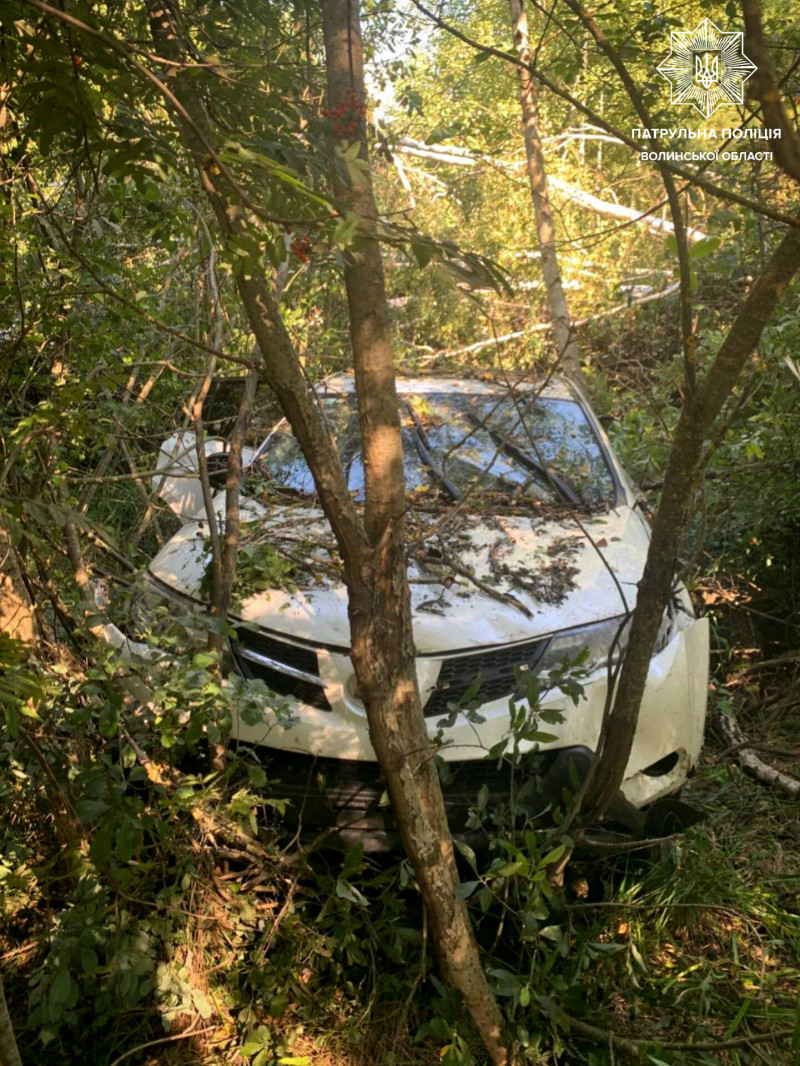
(667, 743)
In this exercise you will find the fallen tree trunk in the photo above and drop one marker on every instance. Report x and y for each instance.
(737, 740)
(462, 157)
(540, 327)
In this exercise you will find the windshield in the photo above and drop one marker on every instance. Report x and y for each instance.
(456, 445)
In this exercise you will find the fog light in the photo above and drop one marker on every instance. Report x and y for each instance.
(663, 766)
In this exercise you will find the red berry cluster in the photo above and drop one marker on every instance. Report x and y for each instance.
(302, 248)
(345, 117)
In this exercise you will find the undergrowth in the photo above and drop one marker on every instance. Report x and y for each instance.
(146, 900)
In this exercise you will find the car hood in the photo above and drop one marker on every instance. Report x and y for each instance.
(480, 581)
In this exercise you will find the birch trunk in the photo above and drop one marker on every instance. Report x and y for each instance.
(567, 351)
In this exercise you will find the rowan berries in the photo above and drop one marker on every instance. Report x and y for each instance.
(344, 117)
(302, 248)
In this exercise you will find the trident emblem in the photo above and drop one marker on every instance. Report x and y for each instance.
(706, 75)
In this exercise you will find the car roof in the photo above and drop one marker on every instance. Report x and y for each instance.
(553, 388)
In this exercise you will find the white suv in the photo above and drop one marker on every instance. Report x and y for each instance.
(525, 549)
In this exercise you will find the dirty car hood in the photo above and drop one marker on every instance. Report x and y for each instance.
(534, 575)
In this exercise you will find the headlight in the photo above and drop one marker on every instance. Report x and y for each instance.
(598, 639)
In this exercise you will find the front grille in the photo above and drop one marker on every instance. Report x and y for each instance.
(276, 675)
(496, 667)
(347, 794)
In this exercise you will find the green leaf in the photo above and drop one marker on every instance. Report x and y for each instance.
(637, 957)
(552, 856)
(485, 898)
(519, 866)
(345, 231)
(100, 847)
(507, 982)
(108, 721)
(89, 960)
(465, 889)
(498, 749)
(201, 1004)
(128, 836)
(204, 659)
(353, 860)
(89, 809)
(422, 253)
(344, 890)
(467, 852)
(12, 719)
(438, 135)
(471, 692)
(704, 247)
(60, 988)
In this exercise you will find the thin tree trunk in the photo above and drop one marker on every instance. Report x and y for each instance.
(568, 353)
(228, 543)
(383, 651)
(281, 369)
(681, 480)
(786, 144)
(233, 481)
(372, 550)
(9, 1052)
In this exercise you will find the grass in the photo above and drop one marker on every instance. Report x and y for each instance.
(712, 933)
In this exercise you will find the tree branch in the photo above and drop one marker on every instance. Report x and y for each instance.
(786, 145)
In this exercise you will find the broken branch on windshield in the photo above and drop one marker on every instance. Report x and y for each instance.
(423, 447)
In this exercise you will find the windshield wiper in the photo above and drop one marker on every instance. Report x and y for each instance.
(553, 480)
(423, 447)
